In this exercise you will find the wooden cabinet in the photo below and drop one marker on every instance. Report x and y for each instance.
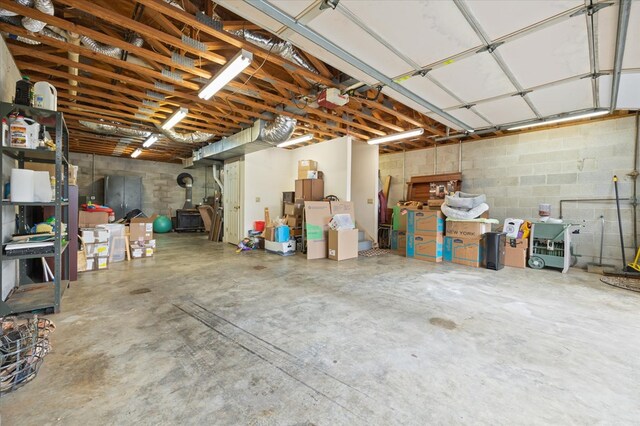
(433, 187)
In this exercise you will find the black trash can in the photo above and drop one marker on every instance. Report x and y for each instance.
(494, 250)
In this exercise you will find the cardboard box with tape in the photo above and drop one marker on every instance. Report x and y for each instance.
(318, 215)
(464, 251)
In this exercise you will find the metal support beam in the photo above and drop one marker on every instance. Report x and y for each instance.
(275, 13)
(621, 37)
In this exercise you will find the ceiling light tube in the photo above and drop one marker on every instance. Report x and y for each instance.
(560, 120)
(295, 141)
(175, 118)
(150, 141)
(232, 68)
(396, 136)
(135, 153)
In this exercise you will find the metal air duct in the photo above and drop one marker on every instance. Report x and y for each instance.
(282, 48)
(279, 130)
(105, 49)
(256, 138)
(194, 137)
(26, 3)
(33, 25)
(114, 129)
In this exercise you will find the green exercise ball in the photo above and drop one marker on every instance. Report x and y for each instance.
(162, 224)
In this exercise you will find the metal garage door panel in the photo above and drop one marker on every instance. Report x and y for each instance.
(469, 117)
(444, 121)
(499, 17)
(330, 58)
(506, 110)
(341, 31)
(628, 93)
(474, 78)
(607, 26)
(404, 100)
(424, 31)
(570, 96)
(429, 91)
(550, 54)
(291, 7)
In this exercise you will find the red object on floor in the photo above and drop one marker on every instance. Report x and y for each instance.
(258, 225)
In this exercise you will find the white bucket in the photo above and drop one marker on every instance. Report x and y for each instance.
(45, 96)
(544, 210)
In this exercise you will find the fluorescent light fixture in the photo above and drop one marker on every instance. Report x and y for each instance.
(560, 120)
(396, 136)
(135, 153)
(175, 118)
(150, 141)
(226, 74)
(295, 141)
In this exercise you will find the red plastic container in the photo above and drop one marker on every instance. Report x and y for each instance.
(258, 225)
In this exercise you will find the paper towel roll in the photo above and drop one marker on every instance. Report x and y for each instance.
(22, 185)
(42, 187)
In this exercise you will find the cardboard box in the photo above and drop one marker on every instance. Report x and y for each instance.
(343, 207)
(306, 166)
(399, 242)
(516, 251)
(141, 231)
(96, 249)
(318, 215)
(425, 221)
(466, 228)
(269, 233)
(95, 263)
(138, 252)
(91, 219)
(464, 251)
(400, 216)
(294, 221)
(95, 235)
(310, 189)
(317, 249)
(286, 248)
(343, 244)
(428, 246)
(294, 209)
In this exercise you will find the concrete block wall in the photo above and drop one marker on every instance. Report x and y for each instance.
(161, 193)
(519, 172)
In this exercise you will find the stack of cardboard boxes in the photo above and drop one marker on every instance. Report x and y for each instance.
(425, 235)
(418, 232)
(322, 242)
(293, 216)
(96, 249)
(464, 243)
(309, 186)
(141, 237)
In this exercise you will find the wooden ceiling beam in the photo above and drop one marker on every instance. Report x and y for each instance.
(101, 37)
(184, 17)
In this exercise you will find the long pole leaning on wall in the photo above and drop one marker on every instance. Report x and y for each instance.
(92, 197)
(634, 176)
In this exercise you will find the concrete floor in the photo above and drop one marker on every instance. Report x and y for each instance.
(202, 335)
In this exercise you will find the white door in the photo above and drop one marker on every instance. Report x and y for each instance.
(232, 204)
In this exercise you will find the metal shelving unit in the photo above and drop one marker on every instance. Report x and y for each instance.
(29, 295)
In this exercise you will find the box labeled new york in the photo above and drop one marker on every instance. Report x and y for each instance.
(467, 228)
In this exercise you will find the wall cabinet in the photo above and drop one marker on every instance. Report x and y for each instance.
(123, 194)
